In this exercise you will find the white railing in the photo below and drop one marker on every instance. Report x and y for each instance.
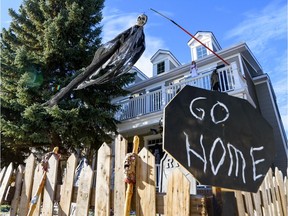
(155, 101)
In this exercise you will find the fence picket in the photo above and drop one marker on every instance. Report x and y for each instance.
(240, 203)
(67, 188)
(50, 186)
(278, 199)
(102, 191)
(263, 194)
(279, 186)
(271, 198)
(2, 174)
(5, 182)
(84, 191)
(27, 185)
(257, 203)
(178, 196)
(37, 179)
(119, 185)
(145, 183)
(18, 183)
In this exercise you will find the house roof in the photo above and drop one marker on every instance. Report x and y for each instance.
(167, 52)
(240, 48)
(205, 32)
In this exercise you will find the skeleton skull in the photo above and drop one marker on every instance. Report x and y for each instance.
(141, 20)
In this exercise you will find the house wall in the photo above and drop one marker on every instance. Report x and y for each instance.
(269, 111)
(250, 84)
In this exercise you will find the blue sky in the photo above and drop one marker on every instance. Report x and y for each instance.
(261, 24)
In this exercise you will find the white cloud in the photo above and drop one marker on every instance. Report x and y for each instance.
(259, 28)
(265, 32)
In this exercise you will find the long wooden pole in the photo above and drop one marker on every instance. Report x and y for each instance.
(191, 36)
(129, 190)
(35, 198)
(41, 185)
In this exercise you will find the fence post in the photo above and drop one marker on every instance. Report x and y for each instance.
(18, 184)
(37, 180)
(84, 191)
(5, 182)
(68, 183)
(119, 186)
(2, 174)
(27, 185)
(102, 190)
(178, 195)
(145, 184)
(50, 186)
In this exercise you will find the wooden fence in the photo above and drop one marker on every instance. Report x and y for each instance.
(103, 192)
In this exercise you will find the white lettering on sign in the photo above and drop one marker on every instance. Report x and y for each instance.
(256, 162)
(236, 151)
(211, 111)
(199, 109)
(195, 153)
(215, 171)
(236, 160)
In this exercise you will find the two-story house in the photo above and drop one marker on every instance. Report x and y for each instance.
(141, 112)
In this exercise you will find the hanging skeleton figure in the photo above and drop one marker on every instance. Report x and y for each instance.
(111, 60)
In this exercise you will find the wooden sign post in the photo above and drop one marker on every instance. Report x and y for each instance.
(129, 191)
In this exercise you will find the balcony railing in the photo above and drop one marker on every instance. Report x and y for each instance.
(155, 101)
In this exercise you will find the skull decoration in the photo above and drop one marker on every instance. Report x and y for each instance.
(141, 20)
(129, 168)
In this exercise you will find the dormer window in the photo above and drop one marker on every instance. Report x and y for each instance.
(201, 52)
(161, 67)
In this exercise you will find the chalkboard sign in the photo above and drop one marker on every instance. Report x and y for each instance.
(222, 140)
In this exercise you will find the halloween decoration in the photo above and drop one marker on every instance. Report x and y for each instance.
(45, 167)
(129, 168)
(191, 36)
(130, 177)
(110, 61)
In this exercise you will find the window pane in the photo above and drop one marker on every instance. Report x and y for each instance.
(201, 51)
(160, 67)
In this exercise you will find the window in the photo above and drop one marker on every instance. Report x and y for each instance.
(201, 51)
(161, 67)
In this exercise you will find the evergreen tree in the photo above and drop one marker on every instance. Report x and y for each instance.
(48, 43)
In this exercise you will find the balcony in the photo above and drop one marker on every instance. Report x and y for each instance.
(152, 101)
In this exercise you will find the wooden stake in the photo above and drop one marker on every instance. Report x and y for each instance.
(129, 191)
(35, 198)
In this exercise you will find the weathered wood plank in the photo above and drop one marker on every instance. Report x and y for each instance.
(50, 186)
(119, 185)
(177, 197)
(5, 182)
(27, 185)
(18, 184)
(37, 180)
(84, 191)
(240, 203)
(273, 193)
(257, 203)
(102, 190)
(281, 189)
(263, 195)
(2, 174)
(249, 204)
(278, 199)
(145, 183)
(67, 188)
